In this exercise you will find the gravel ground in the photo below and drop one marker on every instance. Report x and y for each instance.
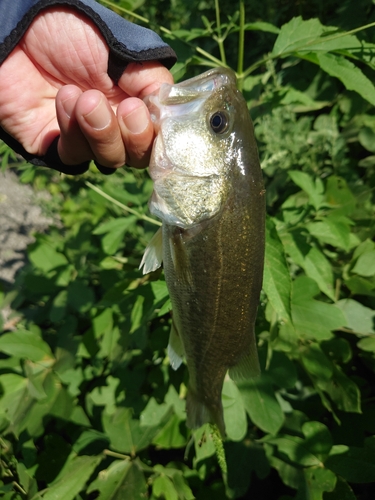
(20, 216)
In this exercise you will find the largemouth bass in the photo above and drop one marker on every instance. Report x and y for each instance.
(209, 194)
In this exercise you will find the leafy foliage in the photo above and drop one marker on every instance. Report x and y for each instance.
(89, 406)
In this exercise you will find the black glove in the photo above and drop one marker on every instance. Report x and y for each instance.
(127, 43)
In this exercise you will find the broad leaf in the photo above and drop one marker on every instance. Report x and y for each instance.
(354, 464)
(276, 281)
(349, 74)
(312, 318)
(72, 478)
(261, 404)
(234, 412)
(123, 479)
(296, 34)
(24, 344)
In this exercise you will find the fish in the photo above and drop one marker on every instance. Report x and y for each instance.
(209, 193)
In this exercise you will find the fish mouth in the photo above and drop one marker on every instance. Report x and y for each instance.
(188, 96)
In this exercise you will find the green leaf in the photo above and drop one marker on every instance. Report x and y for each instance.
(318, 481)
(126, 434)
(80, 297)
(234, 412)
(359, 318)
(309, 258)
(318, 439)
(45, 257)
(72, 478)
(316, 362)
(356, 465)
(172, 435)
(261, 404)
(349, 74)
(339, 196)
(313, 189)
(342, 390)
(24, 344)
(282, 371)
(137, 314)
(367, 344)
(114, 231)
(122, 480)
(318, 268)
(262, 26)
(276, 280)
(59, 307)
(296, 449)
(102, 322)
(366, 138)
(203, 443)
(252, 457)
(342, 491)
(313, 319)
(154, 413)
(334, 230)
(296, 34)
(163, 488)
(365, 265)
(291, 475)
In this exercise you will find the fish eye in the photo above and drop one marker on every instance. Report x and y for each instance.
(219, 122)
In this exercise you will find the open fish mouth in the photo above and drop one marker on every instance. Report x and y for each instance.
(186, 97)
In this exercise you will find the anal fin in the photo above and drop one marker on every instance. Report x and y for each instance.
(153, 256)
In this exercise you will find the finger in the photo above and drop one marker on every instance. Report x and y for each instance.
(72, 147)
(139, 80)
(137, 131)
(100, 127)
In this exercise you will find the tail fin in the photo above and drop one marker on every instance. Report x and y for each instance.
(199, 413)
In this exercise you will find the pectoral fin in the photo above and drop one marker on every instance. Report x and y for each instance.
(176, 350)
(153, 256)
(248, 366)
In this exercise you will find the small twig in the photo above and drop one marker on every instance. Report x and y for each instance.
(241, 45)
(19, 488)
(114, 454)
(220, 39)
(121, 205)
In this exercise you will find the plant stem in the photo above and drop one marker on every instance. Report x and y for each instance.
(241, 45)
(19, 488)
(121, 205)
(220, 40)
(114, 454)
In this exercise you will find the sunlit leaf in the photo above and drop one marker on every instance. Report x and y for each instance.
(349, 74)
(72, 478)
(276, 281)
(24, 344)
(122, 479)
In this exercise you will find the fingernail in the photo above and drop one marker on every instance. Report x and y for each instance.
(68, 105)
(136, 121)
(100, 117)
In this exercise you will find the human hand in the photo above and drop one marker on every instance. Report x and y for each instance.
(55, 82)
